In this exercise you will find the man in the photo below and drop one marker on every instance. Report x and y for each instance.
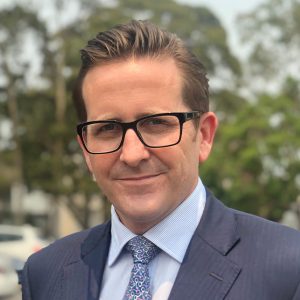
(142, 99)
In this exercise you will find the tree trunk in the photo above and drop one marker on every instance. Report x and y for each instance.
(18, 188)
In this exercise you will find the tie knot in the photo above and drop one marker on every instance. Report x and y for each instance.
(141, 249)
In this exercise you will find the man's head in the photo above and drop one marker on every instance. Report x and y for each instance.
(142, 39)
(143, 91)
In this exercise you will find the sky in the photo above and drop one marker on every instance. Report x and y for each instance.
(227, 11)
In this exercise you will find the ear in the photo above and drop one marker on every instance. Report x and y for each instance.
(208, 126)
(85, 154)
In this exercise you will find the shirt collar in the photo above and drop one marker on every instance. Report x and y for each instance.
(182, 222)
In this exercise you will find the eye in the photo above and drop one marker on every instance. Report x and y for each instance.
(155, 121)
(158, 125)
(105, 129)
(108, 127)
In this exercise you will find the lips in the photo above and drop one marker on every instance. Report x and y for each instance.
(139, 177)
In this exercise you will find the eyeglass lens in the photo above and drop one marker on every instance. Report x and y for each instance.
(154, 131)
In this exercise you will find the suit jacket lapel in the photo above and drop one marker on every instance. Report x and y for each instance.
(84, 275)
(206, 272)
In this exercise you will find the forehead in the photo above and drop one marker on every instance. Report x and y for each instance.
(147, 68)
(152, 84)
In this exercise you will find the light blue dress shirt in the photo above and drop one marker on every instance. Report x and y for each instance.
(172, 235)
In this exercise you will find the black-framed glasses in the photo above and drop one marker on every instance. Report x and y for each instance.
(154, 131)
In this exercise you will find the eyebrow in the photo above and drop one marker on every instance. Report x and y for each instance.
(139, 116)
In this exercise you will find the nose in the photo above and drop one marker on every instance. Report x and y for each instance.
(133, 151)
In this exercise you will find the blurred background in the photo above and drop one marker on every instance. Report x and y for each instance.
(251, 51)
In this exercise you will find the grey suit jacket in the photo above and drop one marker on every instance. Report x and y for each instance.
(232, 256)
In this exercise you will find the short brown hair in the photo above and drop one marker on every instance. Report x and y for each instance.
(144, 39)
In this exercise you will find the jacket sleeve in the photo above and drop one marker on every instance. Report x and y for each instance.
(297, 293)
(24, 280)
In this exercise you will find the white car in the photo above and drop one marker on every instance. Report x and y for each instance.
(19, 241)
(8, 277)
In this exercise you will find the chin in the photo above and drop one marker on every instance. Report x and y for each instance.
(144, 215)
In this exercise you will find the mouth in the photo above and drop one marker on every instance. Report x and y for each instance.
(139, 178)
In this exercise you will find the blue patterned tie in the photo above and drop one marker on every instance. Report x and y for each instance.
(142, 251)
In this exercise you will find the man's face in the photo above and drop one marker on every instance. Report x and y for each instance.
(144, 184)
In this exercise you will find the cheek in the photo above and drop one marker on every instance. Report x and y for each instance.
(176, 159)
(189, 160)
(101, 167)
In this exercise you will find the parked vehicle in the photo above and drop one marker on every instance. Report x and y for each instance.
(19, 241)
(8, 276)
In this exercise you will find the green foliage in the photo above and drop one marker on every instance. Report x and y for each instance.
(255, 160)
(47, 143)
(198, 26)
(273, 31)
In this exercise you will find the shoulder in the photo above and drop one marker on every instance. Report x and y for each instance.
(264, 228)
(261, 235)
(252, 234)
(68, 249)
(270, 243)
(268, 250)
(44, 270)
(266, 253)
(249, 224)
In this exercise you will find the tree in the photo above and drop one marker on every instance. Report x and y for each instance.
(16, 25)
(196, 25)
(255, 163)
(272, 32)
(50, 155)
(257, 141)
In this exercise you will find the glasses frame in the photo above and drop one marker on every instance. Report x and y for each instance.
(182, 118)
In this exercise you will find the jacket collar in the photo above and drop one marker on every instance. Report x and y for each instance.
(218, 226)
(84, 275)
(206, 271)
